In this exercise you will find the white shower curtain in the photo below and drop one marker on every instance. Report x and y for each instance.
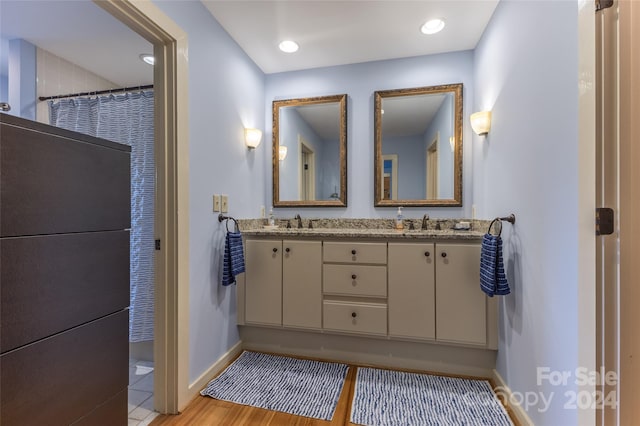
(127, 119)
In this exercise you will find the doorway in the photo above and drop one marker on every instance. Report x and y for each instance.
(432, 169)
(307, 171)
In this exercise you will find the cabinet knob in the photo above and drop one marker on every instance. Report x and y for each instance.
(353, 277)
(353, 252)
(353, 314)
(287, 249)
(427, 254)
(443, 254)
(275, 249)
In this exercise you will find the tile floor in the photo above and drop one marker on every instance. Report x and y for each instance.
(140, 393)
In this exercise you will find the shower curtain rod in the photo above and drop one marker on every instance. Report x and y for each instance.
(99, 92)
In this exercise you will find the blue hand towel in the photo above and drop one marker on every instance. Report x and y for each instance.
(493, 280)
(233, 258)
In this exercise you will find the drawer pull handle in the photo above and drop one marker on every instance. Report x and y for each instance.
(443, 254)
(353, 277)
(353, 314)
(353, 252)
(275, 249)
(427, 254)
(287, 249)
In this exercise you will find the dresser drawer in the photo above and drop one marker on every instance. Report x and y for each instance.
(355, 280)
(79, 277)
(355, 252)
(355, 317)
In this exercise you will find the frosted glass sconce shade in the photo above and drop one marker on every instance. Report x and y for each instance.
(282, 152)
(481, 122)
(252, 137)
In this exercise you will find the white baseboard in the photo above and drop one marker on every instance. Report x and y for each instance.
(207, 376)
(516, 409)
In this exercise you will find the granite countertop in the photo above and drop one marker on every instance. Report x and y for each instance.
(446, 234)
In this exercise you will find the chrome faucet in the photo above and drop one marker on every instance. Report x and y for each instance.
(425, 219)
(299, 221)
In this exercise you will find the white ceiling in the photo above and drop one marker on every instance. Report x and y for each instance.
(329, 32)
(347, 31)
(80, 32)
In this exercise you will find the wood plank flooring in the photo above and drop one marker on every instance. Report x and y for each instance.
(206, 411)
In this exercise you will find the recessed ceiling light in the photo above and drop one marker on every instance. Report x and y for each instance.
(148, 58)
(432, 26)
(288, 46)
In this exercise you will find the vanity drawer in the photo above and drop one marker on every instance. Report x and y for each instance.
(356, 280)
(355, 317)
(345, 252)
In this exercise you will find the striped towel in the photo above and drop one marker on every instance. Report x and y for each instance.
(493, 280)
(233, 258)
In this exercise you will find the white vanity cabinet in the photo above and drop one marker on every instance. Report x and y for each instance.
(461, 307)
(283, 283)
(434, 294)
(302, 284)
(394, 289)
(263, 282)
(354, 285)
(412, 290)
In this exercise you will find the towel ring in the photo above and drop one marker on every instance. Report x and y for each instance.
(497, 219)
(511, 219)
(222, 217)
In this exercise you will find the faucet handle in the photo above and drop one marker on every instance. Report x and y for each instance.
(411, 227)
(288, 224)
(311, 223)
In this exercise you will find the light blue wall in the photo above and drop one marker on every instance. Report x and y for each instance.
(329, 173)
(443, 122)
(296, 126)
(526, 72)
(226, 94)
(360, 81)
(22, 79)
(411, 165)
(4, 88)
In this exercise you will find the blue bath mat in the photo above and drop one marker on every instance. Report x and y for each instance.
(295, 386)
(384, 397)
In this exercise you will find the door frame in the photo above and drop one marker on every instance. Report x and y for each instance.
(171, 342)
(629, 134)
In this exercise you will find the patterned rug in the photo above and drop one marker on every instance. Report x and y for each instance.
(301, 387)
(384, 397)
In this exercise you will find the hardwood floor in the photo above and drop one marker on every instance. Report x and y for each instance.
(206, 411)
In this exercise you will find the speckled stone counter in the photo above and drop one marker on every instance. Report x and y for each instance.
(365, 228)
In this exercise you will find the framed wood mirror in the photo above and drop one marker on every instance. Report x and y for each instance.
(310, 152)
(418, 146)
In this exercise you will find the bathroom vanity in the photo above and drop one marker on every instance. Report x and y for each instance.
(392, 290)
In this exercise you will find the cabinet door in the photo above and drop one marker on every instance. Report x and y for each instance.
(411, 290)
(461, 314)
(263, 282)
(302, 284)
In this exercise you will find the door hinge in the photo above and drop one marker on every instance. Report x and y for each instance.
(157, 244)
(604, 221)
(603, 4)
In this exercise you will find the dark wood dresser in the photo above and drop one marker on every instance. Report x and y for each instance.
(64, 276)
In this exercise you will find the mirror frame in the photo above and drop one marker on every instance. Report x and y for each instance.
(456, 201)
(277, 104)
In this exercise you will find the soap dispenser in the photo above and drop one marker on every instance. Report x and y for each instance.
(399, 223)
(272, 220)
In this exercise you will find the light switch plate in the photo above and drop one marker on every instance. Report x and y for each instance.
(224, 203)
(216, 203)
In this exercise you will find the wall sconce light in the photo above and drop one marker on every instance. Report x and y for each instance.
(452, 142)
(252, 137)
(481, 122)
(282, 152)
